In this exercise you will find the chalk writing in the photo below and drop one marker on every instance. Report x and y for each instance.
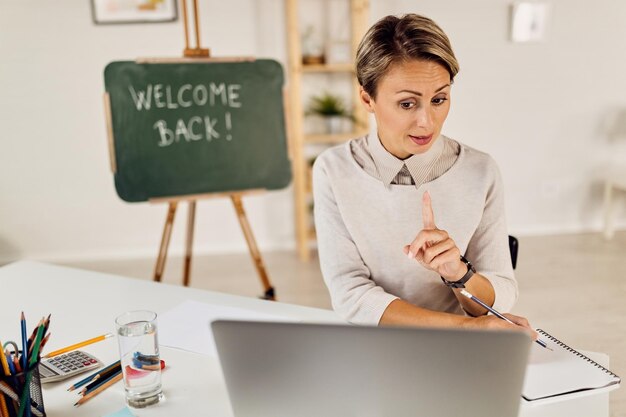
(187, 95)
(198, 127)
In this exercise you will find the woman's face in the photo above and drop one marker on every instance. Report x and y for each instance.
(412, 102)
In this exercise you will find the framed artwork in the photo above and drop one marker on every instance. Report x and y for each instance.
(133, 11)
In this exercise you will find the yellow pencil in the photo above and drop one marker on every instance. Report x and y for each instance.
(4, 411)
(78, 345)
(3, 360)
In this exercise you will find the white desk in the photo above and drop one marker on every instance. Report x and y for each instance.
(84, 304)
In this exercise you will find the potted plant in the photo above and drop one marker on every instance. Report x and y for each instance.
(312, 48)
(332, 109)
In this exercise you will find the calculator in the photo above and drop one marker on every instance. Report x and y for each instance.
(66, 366)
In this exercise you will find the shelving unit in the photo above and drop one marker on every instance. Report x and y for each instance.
(305, 231)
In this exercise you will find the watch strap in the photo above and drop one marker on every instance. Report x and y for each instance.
(461, 282)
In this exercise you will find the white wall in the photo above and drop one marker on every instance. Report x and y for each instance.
(538, 109)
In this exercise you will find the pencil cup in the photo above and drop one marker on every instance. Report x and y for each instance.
(139, 356)
(12, 388)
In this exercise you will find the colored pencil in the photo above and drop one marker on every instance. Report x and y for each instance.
(3, 360)
(6, 371)
(10, 363)
(45, 340)
(93, 376)
(34, 357)
(103, 376)
(32, 336)
(10, 358)
(5, 388)
(47, 323)
(4, 411)
(99, 389)
(24, 342)
(25, 398)
(16, 363)
(78, 345)
(94, 385)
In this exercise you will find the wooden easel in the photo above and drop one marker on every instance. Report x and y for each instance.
(269, 294)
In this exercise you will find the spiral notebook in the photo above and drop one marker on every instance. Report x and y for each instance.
(563, 373)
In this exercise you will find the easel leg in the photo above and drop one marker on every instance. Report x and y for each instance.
(254, 251)
(165, 242)
(191, 217)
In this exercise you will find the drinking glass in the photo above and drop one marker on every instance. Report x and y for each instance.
(139, 356)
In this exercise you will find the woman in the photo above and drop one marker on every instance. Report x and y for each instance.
(395, 212)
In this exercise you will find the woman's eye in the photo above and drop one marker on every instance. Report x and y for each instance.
(407, 104)
(439, 101)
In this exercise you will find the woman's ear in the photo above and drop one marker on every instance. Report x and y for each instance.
(367, 100)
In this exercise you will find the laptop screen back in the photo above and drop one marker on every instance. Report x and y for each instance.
(324, 370)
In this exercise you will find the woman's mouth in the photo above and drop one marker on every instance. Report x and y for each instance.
(421, 140)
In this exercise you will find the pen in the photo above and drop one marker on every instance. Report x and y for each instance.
(78, 345)
(495, 313)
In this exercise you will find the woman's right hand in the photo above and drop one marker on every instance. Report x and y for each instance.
(493, 322)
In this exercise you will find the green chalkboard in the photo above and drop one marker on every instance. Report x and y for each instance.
(197, 128)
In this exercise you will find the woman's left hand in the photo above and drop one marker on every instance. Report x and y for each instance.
(434, 248)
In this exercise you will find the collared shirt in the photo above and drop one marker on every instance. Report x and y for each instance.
(362, 226)
(416, 170)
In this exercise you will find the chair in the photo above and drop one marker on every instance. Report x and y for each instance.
(513, 247)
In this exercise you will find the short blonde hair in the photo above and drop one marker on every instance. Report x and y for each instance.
(393, 39)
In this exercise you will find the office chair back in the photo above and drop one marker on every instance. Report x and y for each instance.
(513, 247)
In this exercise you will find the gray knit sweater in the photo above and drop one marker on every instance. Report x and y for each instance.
(362, 227)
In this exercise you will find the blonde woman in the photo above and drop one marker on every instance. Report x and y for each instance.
(408, 217)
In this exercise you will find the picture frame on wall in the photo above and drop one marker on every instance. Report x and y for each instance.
(133, 11)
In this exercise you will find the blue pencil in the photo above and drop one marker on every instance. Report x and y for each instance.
(24, 407)
(24, 344)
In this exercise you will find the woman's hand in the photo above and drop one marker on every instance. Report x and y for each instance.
(434, 249)
(493, 322)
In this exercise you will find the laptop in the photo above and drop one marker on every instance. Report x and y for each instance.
(327, 370)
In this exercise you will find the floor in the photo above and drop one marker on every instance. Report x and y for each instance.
(573, 286)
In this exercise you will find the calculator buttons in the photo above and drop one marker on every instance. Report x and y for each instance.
(67, 365)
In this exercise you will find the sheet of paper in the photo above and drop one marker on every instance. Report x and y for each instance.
(124, 412)
(187, 326)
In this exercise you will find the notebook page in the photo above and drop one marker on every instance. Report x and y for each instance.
(561, 371)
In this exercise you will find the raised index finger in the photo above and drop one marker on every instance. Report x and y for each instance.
(428, 217)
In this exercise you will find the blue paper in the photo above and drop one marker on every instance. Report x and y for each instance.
(124, 412)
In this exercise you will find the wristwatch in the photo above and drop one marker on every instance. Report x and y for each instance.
(461, 283)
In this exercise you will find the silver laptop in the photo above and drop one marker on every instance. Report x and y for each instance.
(325, 370)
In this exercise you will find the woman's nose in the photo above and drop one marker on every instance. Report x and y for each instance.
(424, 118)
